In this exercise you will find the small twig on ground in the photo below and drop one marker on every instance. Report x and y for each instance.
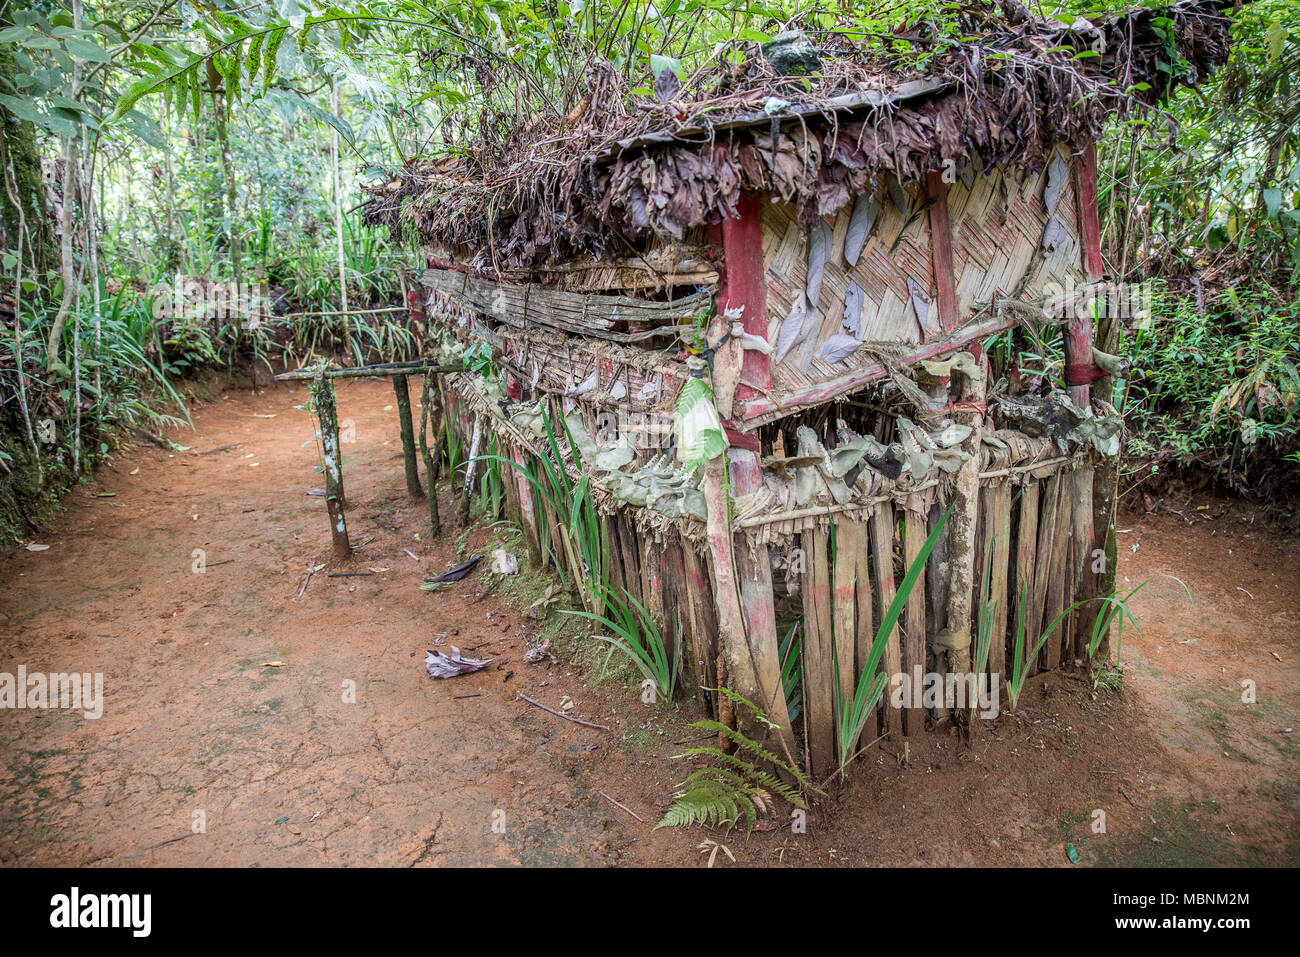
(560, 714)
(623, 806)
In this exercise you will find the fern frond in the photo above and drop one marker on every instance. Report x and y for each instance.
(754, 775)
(739, 740)
(709, 804)
(755, 711)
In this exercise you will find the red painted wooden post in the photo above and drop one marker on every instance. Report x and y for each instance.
(743, 281)
(1089, 222)
(1078, 338)
(1079, 373)
(945, 279)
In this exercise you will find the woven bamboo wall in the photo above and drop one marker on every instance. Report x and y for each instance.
(998, 222)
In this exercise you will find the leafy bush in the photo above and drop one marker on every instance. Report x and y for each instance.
(1219, 387)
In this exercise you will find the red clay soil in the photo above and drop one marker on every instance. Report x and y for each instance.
(224, 695)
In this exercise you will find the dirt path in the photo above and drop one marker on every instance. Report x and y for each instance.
(284, 771)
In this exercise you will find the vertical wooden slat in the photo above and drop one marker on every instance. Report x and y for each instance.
(509, 485)
(882, 561)
(652, 579)
(945, 280)
(704, 626)
(850, 538)
(1026, 556)
(335, 504)
(627, 544)
(818, 654)
(866, 614)
(757, 602)
(1057, 574)
(936, 596)
(741, 676)
(676, 607)
(914, 643)
(1083, 583)
(1049, 507)
(998, 533)
(407, 432)
(617, 574)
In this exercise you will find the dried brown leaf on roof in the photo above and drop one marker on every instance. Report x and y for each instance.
(547, 186)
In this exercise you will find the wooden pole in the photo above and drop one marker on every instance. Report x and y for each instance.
(327, 417)
(882, 559)
(379, 370)
(338, 225)
(463, 495)
(914, 644)
(945, 279)
(755, 573)
(677, 609)
(961, 538)
(864, 611)
(744, 283)
(429, 415)
(652, 558)
(1025, 583)
(741, 676)
(1047, 525)
(704, 626)
(849, 541)
(1058, 576)
(818, 654)
(1095, 493)
(408, 437)
(997, 545)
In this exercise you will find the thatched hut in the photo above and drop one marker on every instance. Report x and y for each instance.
(754, 313)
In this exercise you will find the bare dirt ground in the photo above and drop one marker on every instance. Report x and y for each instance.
(224, 695)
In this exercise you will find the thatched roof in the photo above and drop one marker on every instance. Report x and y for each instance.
(594, 179)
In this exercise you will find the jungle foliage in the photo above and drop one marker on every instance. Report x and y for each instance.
(186, 144)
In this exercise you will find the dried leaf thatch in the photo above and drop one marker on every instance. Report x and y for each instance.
(598, 179)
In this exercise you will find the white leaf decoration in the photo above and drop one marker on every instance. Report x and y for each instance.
(839, 347)
(861, 223)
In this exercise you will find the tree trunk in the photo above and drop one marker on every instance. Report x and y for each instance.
(21, 162)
